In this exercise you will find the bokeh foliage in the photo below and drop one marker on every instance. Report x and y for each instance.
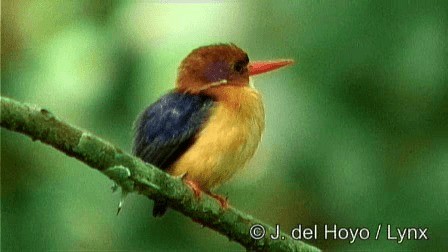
(357, 130)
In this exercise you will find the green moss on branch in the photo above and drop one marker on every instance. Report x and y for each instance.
(134, 175)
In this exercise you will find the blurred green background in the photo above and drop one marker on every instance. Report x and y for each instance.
(356, 135)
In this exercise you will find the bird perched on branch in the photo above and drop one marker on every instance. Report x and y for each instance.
(210, 125)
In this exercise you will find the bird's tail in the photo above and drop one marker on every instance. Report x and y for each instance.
(160, 207)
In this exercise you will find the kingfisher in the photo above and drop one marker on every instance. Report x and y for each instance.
(210, 125)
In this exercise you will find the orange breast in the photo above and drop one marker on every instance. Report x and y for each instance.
(228, 140)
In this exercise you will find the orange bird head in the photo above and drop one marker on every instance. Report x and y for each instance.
(223, 64)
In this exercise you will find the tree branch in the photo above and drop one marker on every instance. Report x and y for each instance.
(133, 175)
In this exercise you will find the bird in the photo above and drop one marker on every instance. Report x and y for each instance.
(210, 125)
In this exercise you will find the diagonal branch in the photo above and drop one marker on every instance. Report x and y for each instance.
(135, 176)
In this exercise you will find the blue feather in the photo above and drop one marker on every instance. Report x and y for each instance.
(167, 128)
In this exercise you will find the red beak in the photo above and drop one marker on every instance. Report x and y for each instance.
(259, 67)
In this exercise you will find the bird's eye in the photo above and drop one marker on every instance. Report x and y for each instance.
(239, 66)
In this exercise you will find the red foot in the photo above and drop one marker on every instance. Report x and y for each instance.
(197, 192)
(195, 187)
(223, 201)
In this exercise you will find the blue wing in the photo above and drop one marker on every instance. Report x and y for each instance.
(167, 128)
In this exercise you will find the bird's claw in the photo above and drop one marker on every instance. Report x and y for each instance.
(195, 187)
(222, 200)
